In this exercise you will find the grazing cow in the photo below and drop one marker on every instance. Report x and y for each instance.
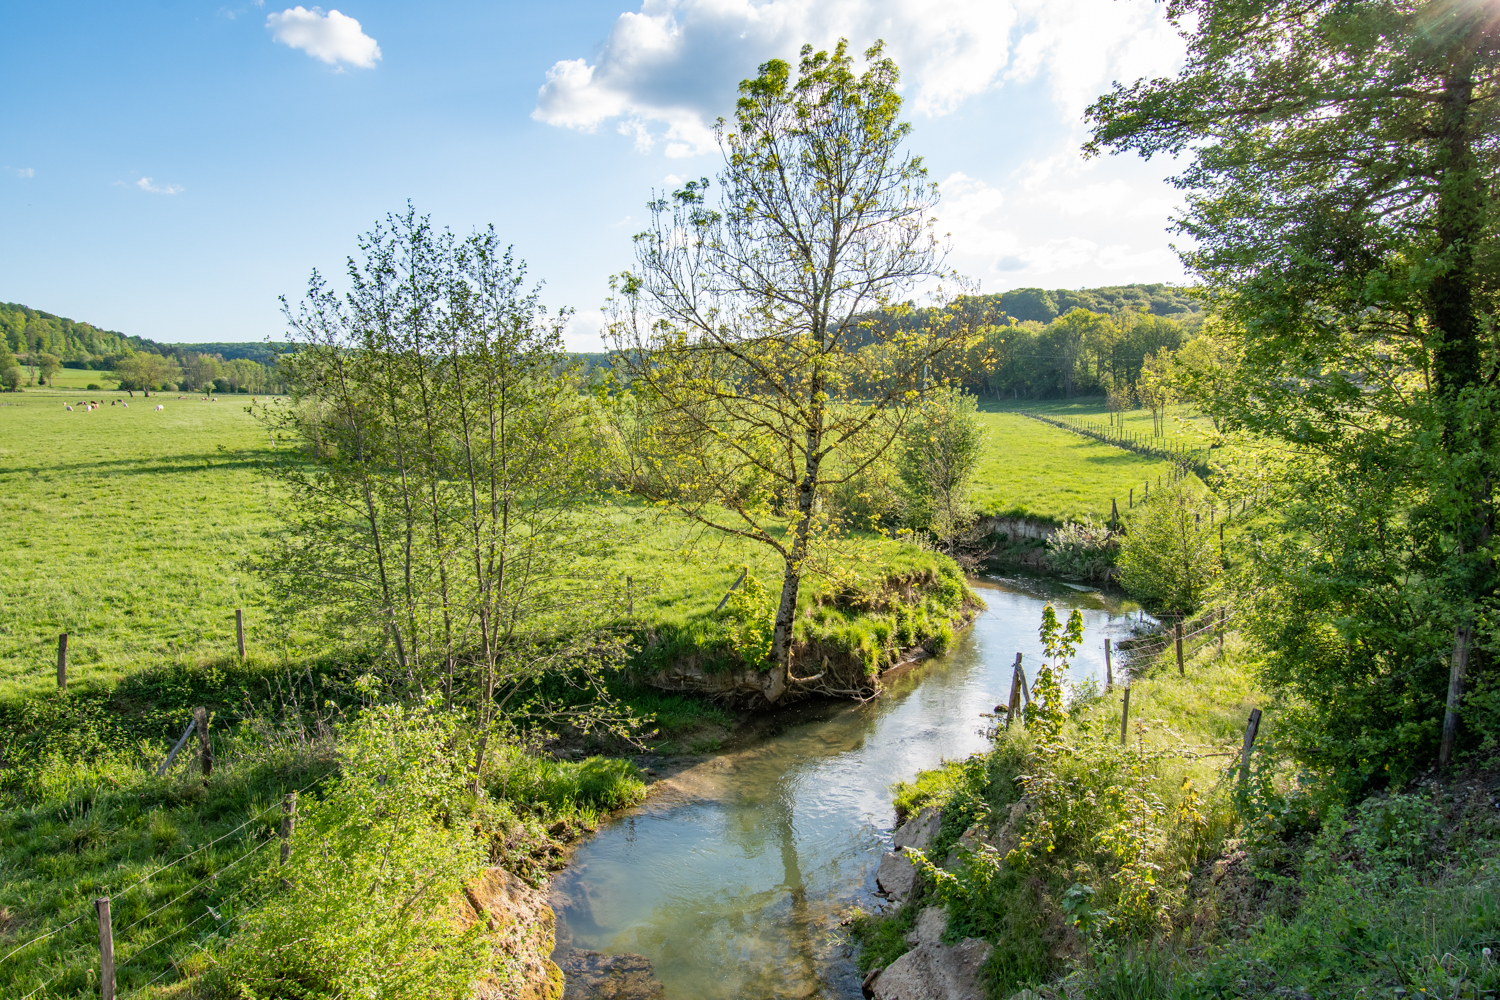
(160, 407)
(70, 409)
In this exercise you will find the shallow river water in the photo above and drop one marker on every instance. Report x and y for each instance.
(732, 878)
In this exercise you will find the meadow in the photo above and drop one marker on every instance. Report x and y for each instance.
(1035, 470)
(136, 531)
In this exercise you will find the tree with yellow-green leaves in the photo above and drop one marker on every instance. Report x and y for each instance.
(768, 357)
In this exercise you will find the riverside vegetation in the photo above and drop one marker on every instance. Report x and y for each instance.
(454, 516)
(451, 562)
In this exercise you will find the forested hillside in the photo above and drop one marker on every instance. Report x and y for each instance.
(28, 331)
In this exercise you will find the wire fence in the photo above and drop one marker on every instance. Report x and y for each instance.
(212, 877)
(1193, 633)
(1196, 459)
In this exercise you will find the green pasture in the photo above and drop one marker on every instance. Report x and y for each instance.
(1182, 427)
(1031, 469)
(128, 528)
(133, 530)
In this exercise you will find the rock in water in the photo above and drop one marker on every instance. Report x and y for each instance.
(591, 975)
(919, 831)
(896, 876)
(935, 972)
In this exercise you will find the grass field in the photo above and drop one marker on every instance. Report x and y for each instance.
(1182, 427)
(127, 528)
(132, 529)
(1031, 469)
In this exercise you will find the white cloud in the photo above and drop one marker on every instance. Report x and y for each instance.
(666, 71)
(145, 185)
(24, 172)
(584, 331)
(333, 37)
(1060, 221)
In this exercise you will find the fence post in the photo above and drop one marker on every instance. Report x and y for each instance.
(1177, 632)
(1132, 498)
(1114, 511)
(1251, 728)
(1221, 543)
(239, 630)
(629, 596)
(178, 747)
(1109, 674)
(288, 823)
(106, 950)
(62, 662)
(1222, 616)
(1014, 705)
(1125, 716)
(738, 580)
(205, 755)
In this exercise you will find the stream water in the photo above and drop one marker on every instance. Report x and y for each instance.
(733, 876)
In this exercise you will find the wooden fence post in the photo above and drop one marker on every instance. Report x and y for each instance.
(288, 823)
(62, 662)
(1132, 498)
(1251, 728)
(1109, 674)
(738, 580)
(239, 630)
(1014, 705)
(106, 950)
(630, 596)
(1177, 631)
(181, 742)
(1222, 617)
(1125, 717)
(205, 755)
(1114, 511)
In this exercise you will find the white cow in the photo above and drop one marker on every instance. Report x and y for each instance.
(160, 407)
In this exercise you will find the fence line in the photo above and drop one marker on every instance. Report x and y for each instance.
(1190, 458)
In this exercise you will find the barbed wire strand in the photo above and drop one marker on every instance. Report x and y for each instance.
(165, 937)
(205, 881)
(204, 847)
(43, 937)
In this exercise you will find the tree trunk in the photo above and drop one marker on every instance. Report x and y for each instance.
(1456, 370)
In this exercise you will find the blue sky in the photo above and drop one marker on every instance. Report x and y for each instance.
(168, 169)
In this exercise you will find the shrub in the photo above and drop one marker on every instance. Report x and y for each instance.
(362, 908)
(1082, 551)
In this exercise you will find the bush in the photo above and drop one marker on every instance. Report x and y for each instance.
(92, 387)
(363, 906)
(1082, 551)
(1169, 556)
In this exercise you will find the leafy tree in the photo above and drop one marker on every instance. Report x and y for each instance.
(1341, 202)
(443, 510)
(144, 371)
(749, 328)
(939, 453)
(10, 371)
(49, 366)
(1169, 557)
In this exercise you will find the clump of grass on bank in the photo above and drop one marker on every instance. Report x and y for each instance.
(1083, 844)
(1151, 871)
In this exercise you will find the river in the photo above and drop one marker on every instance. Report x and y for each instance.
(734, 875)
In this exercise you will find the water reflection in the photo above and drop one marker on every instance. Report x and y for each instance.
(733, 877)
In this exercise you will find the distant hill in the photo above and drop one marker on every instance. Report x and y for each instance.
(1044, 305)
(26, 330)
(259, 352)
